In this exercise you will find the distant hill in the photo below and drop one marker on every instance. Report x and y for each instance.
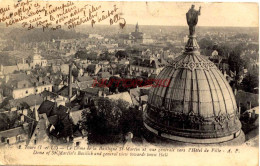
(37, 35)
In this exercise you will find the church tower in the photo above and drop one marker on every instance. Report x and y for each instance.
(136, 27)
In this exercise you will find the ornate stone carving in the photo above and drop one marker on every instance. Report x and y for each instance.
(221, 119)
(193, 65)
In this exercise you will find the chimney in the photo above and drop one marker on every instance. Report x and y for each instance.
(1, 68)
(40, 79)
(22, 118)
(129, 136)
(248, 105)
(99, 93)
(70, 81)
(239, 110)
(235, 91)
(140, 100)
(36, 114)
(253, 115)
(6, 78)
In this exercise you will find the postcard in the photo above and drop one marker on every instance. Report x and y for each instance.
(129, 83)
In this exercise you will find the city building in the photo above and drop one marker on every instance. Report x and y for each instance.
(22, 85)
(16, 136)
(38, 60)
(146, 66)
(7, 70)
(137, 37)
(29, 85)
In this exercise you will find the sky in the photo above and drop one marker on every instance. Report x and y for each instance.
(174, 13)
(234, 14)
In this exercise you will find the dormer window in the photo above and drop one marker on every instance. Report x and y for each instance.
(3, 139)
(77, 143)
(18, 138)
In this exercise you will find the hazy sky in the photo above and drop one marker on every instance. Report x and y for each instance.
(174, 13)
(236, 14)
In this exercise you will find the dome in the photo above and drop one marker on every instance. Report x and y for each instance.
(196, 105)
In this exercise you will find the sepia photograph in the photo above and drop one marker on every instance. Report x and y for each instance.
(129, 83)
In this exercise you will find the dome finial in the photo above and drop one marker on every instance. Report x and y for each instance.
(192, 20)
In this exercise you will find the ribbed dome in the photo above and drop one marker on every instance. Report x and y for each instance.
(197, 106)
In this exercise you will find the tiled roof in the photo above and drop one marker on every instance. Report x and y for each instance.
(62, 111)
(53, 119)
(64, 91)
(244, 97)
(125, 96)
(151, 63)
(18, 81)
(104, 74)
(76, 116)
(91, 68)
(13, 132)
(83, 85)
(135, 93)
(10, 69)
(31, 100)
(23, 66)
(47, 93)
(85, 78)
(94, 91)
(47, 107)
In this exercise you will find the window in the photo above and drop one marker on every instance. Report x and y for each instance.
(77, 143)
(7, 140)
(36, 90)
(26, 92)
(18, 138)
(2, 139)
(24, 85)
(35, 141)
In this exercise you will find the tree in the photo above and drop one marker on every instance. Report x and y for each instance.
(206, 43)
(223, 50)
(251, 81)
(121, 54)
(81, 55)
(105, 56)
(6, 59)
(108, 120)
(235, 62)
(85, 55)
(75, 72)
